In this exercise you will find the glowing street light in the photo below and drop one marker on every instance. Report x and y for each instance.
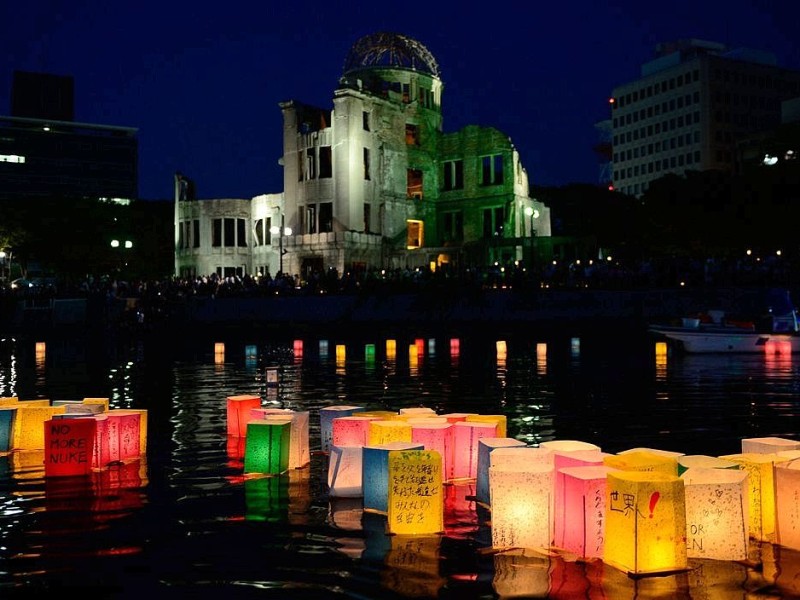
(280, 232)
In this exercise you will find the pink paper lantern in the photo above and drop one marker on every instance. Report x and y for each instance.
(351, 431)
(434, 435)
(68, 446)
(580, 510)
(466, 435)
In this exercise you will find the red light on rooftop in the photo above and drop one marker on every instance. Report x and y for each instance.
(611, 100)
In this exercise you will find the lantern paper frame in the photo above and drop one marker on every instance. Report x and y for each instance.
(580, 509)
(485, 447)
(522, 507)
(375, 474)
(267, 446)
(326, 416)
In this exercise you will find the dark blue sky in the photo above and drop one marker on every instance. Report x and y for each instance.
(202, 81)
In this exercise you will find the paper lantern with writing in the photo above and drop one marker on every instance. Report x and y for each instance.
(435, 435)
(580, 510)
(466, 435)
(761, 491)
(375, 473)
(703, 461)
(716, 513)
(645, 522)
(68, 446)
(416, 496)
(787, 504)
(522, 506)
(643, 461)
(326, 417)
(382, 432)
(266, 447)
(238, 412)
(299, 450)
(768, 445)
(485, 447)
(500, 420)
(345, 472)
(352, 430)
(117, 437)
(29, 425)
(7, 416)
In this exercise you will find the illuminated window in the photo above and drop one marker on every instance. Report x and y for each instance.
(414, 179)
(492, 169)
(415, 235)
(453, 175)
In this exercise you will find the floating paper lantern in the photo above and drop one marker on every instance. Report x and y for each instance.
(573, 453)
(703, 461)
(419, 344)
(417, 411)
(117, 437)
(575, 346)
(323, 348)
(219, 353)
(657, 451)
(7, 416)
(383, 432)
(432, 347)
(69, 446)
(787, 508)
(642, 460)
(341, 354)
(238, 413)
(375, 474)
(299, 450)
(485, 447)
(435, 435)
(271, 377)
(416, 498)
(466, 435)
(500, 420)
(522, 506)
(716, 513)
(6, 400)
(29, 425)
(645, 522)
(391, 349)
(77, 407)
(580, 509)
(345, 472)
(761, 491)
(298, 348)
(250, 352)
(326, 417)
(266, 448)
(455, 347)
(413, 357)
(352, 430)
(501, 349)
(384, 415)
(768, 445)
(103, 402)
(456, 417)
(128, 427)
(369, 354)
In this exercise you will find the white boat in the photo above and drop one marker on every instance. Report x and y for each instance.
(712, 332)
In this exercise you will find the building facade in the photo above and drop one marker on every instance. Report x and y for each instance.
(373, 183)
(690, 107)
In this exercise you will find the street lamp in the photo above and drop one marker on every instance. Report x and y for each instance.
(5, 257)
(127, 244)
(280, 232)
(533, 214)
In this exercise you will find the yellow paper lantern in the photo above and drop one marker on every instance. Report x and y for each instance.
(104, 402)
(716, 513)
(787, 506)
(643, 461)
(500, 420)
(383, 432)
(391, 349)
(704, 462)
(29, 425)
(761, 491)
(522, 506)
(645, 522)
(416, 497)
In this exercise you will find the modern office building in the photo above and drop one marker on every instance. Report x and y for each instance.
(372, 183)
(690, 107)
(45, 152)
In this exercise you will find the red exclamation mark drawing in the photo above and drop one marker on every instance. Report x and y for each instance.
(653, 500)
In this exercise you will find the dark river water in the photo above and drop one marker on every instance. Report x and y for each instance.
(185, 522)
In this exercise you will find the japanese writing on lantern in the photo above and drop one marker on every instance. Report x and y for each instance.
(415, 489)
(624, 503)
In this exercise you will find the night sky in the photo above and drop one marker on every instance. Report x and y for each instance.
(202, 82)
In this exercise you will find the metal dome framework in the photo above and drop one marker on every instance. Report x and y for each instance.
(390, 50)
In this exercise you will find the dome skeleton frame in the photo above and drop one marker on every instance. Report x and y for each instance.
(390, 50)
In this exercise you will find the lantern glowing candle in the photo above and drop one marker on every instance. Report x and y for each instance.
(345, 472)
(416, 496)
(126, 427)
(485, 447)
(326, 417)
(500, 420)
(266, 449)
(391, 349)
(580, 510)
(383, 432)
(219, 353)
(522, 506)
(435, 435)
(761, 491)
(29, 425)
(68, 444)
(768, 445)
(341, 354)
(238, 412)
(455, 347)
(787, 508)
(299, 450)
(298, 348)
(352, 430)
(375, 474)
(419, 344)
(466, 435)
(7, 416)
(643, 461)
(645, 523)
(369, 354)
(716, 513)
